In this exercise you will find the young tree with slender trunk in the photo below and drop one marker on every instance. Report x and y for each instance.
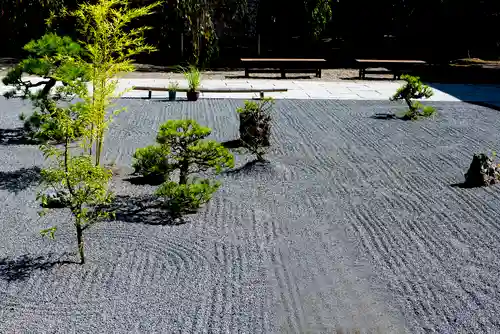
(82, 184)
(110, 47)
(81, 181)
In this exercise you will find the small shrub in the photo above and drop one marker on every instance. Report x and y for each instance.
(182, 146)
(186, 198)
(193, 77)
(414, 89)
(152, 162)
(255, 126)
(173, 86)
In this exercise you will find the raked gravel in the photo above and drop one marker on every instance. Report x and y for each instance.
(353, 225)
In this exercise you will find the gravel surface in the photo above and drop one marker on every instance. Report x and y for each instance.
(353, 224)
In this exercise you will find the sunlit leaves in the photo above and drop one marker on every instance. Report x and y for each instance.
(414, 89)
(182, 146)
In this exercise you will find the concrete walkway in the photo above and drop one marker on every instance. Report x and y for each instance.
(300, 89)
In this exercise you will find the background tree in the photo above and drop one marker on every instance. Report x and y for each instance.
(452, 29)
(321, 14)
(197, 17)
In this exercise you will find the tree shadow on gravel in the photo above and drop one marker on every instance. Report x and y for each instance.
(16, 136)
(389, 116)
(141, 180)
(20, 179)
(250, 167)
(231, 144)
(21, 268)
(142, 210)
(463, 185)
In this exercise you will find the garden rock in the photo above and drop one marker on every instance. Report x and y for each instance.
(482, 172)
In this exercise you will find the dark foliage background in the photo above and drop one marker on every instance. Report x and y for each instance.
(433, 30)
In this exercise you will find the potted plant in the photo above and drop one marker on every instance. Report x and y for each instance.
(255, 126)
(172, 90)
(193, 77)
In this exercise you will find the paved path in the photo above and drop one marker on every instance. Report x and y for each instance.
(335, 90)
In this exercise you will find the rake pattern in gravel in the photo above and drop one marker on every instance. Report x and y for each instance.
(353, 224)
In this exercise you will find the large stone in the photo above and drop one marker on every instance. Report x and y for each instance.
(482, 172)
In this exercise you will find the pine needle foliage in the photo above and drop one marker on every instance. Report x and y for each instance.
(414, 89)
(55, 60)
(182, 148)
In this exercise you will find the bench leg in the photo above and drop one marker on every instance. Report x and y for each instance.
(246, 73)
(261, 95)
(318, 73)
(149, 95)
(361, 73)
(283, 75)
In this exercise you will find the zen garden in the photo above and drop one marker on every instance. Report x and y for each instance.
(190, 199)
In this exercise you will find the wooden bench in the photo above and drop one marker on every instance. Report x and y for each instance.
(396, 67)
(208, 90)
(283, 66)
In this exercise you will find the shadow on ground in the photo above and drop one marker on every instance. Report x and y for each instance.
(142, 210)
(21, 268)
(154, 68)
(491, 105)
(251, 167)
(387, 116)
(16, 136)
(141, 180)
(368, 79)
(463, 185)
(155, 99)
(269, 77)
(20, 179)
(232, 144)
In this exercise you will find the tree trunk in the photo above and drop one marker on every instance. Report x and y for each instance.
(46, 90)
(409, 103)
(260, 157)
(100, 127)
(183, 172)
(79, 237)
(98, 149)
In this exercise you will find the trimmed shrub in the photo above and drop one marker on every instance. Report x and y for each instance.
(182, 146)
(414, 89)
(255, 126)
